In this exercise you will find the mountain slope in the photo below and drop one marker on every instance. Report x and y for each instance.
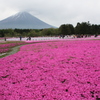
(23, 20)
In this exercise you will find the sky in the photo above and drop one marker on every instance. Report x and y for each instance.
(54, 12)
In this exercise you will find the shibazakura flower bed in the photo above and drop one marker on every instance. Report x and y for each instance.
(64, 70)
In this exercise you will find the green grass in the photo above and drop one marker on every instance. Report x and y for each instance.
(7, 42)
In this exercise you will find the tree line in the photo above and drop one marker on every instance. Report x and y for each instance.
(84, 28)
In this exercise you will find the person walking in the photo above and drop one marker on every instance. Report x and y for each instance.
(29, 38)
(5, 38)
(20, 38)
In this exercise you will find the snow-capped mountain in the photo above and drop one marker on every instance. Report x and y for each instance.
(23, 20)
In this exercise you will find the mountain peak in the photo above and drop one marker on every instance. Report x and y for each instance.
(23, 20)
(22, 13)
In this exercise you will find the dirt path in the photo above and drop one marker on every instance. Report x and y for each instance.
(13, 50)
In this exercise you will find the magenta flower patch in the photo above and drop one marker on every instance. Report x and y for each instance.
(64, 70)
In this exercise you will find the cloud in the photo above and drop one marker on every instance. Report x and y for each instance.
(54, 12)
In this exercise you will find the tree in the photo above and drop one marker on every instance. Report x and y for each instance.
(63, 30)
(32, 33)
(95, 29)
(83, 28)
(66, 29)
(70, 29)
(48, 32)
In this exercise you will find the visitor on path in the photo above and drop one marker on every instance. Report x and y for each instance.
(20, 38)
(62, 36)
(95, 35)
(5, 38)
(29, 38)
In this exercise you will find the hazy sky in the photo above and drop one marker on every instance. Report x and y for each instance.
(54, 12)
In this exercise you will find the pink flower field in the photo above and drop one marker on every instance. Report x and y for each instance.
(63, 70)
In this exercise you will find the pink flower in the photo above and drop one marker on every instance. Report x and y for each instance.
(62, 70)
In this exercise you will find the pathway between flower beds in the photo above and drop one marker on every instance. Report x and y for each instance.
(13, 50)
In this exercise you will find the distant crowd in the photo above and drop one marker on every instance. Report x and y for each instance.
(61, 36)
(77, 36)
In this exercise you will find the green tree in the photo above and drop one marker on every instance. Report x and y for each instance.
(95, 29)
(83, 28)
(32, 33)
(47, 32)
(66, 29)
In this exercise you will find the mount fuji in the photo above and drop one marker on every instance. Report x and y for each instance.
(23, 20)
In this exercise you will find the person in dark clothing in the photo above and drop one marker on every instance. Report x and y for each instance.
(95, 35)
(29, 38)
(5, 38)
(20, 38)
